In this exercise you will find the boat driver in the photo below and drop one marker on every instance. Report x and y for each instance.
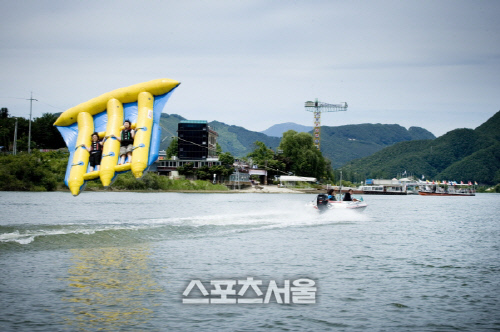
(348, 196)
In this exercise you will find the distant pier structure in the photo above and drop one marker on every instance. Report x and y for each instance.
(317, 107)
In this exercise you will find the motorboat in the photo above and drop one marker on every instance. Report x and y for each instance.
(323, 204)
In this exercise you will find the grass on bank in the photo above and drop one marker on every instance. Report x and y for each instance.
(153, 181)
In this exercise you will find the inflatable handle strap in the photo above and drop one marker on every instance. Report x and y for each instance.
(111, 154)
(140, 146)
(80, 146)
(80, 163)
(143, 128)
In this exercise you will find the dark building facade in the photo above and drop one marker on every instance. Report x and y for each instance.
(197, 141)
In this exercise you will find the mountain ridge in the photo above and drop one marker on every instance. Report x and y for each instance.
(277, 130)
(460, 154)
(339, 144)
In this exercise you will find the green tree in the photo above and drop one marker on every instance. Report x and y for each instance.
(45, 134)
(4, 138)
(4, 113)
(7, 127)
(330, 175)
(203, 173)
(173, 148)
(221, 171)
(22, 144)
(226, 159)
(218, 149)
(306, 159)
(265, 158)
(187, 169)
(261, 154)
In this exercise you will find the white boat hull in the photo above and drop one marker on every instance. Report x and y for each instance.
(347, 205)
(337, 205)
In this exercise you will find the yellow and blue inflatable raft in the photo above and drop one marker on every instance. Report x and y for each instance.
(142, 104)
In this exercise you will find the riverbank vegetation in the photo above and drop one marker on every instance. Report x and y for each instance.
(153, 181)
(45, 171)
(33, 172)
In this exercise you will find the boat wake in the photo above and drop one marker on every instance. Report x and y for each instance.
(119, 232)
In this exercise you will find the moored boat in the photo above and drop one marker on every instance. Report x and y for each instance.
(446, 190)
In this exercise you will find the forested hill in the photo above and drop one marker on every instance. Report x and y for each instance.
(236, 140)
(339, 144)
(168, 123)
(460, 155)
(491, 127)
(345, 143)
(240, 141)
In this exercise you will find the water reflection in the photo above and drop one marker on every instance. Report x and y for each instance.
(111, 288)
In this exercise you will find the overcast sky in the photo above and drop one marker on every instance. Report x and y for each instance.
(434, 64)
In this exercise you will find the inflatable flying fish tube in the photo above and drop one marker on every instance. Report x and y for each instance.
(111, 147)
(142, 137)
(80, 160)
(141, 104)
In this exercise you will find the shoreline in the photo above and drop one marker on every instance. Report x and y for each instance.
(269, 189)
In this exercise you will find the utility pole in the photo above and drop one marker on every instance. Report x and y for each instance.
(14, 147)
(340, 190)
(29, 130)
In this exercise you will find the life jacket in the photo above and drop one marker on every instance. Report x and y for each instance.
(96, 147)
(127, 137)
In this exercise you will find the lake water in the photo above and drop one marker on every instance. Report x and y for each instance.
(122, 261)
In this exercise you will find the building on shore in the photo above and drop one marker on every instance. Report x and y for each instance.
(197, 144)
(168, 167)
(292, 180)
(243, 173)
(196, 140)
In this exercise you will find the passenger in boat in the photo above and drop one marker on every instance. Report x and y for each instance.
(126, 142)
(331, 195)
(95, 151)
(348, 196)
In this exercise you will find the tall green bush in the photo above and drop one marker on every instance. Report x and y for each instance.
(32, 172)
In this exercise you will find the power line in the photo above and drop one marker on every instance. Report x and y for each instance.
(31, 99)
(61, 109)
(173, 135)
(13, 98)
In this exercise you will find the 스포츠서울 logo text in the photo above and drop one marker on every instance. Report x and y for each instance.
(250, 291)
